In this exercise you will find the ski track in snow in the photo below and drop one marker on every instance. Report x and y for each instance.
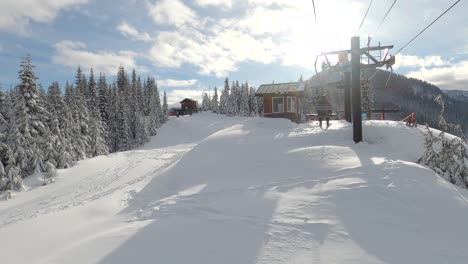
(94, 186)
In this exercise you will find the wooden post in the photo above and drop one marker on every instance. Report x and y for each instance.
(347, 95)
(356, 88)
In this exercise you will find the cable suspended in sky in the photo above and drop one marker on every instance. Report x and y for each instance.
(315, 14)
(385, 17)
(367, 12)
(422, 31)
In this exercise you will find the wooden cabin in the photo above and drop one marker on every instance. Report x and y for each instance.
(282, 100)
(189, 104)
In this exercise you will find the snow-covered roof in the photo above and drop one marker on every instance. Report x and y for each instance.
(280, 88)
(187, 100)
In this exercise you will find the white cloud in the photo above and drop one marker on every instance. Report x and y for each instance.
(270, 2)
(173, 49)
(73, 54)
(412, 61)
(450, 77)
(269, 31)
(15, 16)
(129, 31)
(171, 12)
(220, 3)
(177, 83)
(175, 96)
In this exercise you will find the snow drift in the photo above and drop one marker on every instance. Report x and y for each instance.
(211, 189)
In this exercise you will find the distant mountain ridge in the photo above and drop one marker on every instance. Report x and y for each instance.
(457, 94)
(413, 95)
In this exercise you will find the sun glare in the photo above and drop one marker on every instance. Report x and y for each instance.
(336, 23)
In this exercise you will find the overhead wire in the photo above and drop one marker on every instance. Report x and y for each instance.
(364, 18)
(422, 31)
(315, 13)
(386, 14)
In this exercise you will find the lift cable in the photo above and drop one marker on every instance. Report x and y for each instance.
(315, 14)
(367, 12)
(422, 31)
(386, 14)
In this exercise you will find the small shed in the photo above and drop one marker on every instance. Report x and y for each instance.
(189, 104)
(282, 100)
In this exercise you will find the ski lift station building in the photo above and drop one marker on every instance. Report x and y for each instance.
(282, 100)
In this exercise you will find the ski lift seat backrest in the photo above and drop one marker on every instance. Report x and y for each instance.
(323, 106)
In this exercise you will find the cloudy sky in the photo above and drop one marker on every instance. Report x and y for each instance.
(192, 45)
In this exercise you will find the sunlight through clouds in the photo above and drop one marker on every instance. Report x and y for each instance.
(268, 32)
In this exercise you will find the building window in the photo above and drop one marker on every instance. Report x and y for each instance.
(292, 106)
(278, 105)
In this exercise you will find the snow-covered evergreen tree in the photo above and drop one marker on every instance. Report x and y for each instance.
(214, 101)
(253, 102)
(430, 156)
(154, 106)
(31, 115)
(232, 108)
(80, 113)
(244, 106)
(367, 98)
(40, 132)
(136, 121)
(451, 161)
(98, 135)
(122, 136)
(91, 94)
(19, 155)
(4, 155)
(165, 108)
(223, 100)
(60, 126)
(205, 102)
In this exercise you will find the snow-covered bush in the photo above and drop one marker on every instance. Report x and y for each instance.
(446, 154)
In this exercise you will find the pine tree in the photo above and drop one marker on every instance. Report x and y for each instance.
(233, 105)
(367, 98)
(135, 115)
(31, 115)
(158, 103)
(165, 108)
(153, 108)
(122, 136)
(80, 113)
(205, 102)
(244, 108)
(223, 100)
(430, 156)
(140, 96)
(19, 156)
(98, 135)
(4, 153)
(214, 101)
(253, 103)
(91, 94)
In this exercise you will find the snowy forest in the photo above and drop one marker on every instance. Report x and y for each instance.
(235, 100)
(41, 131)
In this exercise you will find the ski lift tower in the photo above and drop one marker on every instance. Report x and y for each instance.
(352, 76)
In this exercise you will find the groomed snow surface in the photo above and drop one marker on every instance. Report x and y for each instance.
(209, 189)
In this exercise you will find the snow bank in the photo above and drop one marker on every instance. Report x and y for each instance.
(252, 190)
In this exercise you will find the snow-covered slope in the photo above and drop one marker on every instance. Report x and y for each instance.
(210, 189)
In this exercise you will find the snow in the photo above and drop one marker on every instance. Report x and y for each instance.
(212, 189)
